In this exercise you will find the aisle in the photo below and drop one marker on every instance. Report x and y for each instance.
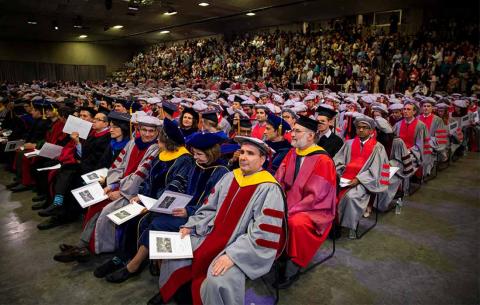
(427, 255)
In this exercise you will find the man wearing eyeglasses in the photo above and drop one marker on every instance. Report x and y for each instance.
(123, 180)
(307, 175)
(413, 132)
(363, 166)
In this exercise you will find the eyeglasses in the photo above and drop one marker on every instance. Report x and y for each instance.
(146, 130)
(298, 131)
(98, 120)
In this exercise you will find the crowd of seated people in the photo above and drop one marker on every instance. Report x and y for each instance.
(342, 57)
(272, 171)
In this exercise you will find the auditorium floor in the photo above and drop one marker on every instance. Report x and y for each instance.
(427, 255)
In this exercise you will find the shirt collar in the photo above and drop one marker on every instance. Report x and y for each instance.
(327, 133)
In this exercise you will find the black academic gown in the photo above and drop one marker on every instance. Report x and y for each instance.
(332, 144)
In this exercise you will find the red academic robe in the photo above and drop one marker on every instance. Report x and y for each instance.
(311, 200)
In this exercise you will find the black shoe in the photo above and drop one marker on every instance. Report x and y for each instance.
(12, 185)
(50, 223)
(73, 254)
(52, 210)
(65, 247)
(39, 198)
(156, 300)
(107, 268)
(19, 188)
(121, 275)
(40, 205)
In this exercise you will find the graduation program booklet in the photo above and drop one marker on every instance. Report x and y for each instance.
(166, 203)
(13, 145)
(169, 245)
(452, 127)
(50, 151)
(344, 182)
(95, 175)
(393, 170)
(56, 166)
(89, 194)
(31, 154)
(126, 213)
(76, 124)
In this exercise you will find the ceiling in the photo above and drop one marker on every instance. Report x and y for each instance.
(144, 26)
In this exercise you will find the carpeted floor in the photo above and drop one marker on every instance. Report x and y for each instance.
(427, 255)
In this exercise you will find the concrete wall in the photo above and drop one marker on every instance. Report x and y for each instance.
(73, 53)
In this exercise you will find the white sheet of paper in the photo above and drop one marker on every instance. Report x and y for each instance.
(89, 194)
(32, 153)
(465, 120)
(169, 245)
(50, 151)
(126, 213)
(75, 124)
(95, 175)
(57, 166)
(474, 117)
(13, 145)
(452, 127)
(166, 203)
(393, 170)
(344, 182)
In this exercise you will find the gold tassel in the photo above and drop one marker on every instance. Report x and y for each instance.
(131, 132)
(238, 126)
(43, 114)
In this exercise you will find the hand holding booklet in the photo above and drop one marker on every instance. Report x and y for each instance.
(76, 124)
(169, 245)
(50, 151)
(166, 203)
(95, 175)
(89, 194)
(126, 213)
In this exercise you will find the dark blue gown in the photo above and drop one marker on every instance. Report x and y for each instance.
(201, 181)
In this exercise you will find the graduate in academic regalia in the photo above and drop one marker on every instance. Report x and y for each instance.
(261, 118)
(413, 132)
(328, 139)
(235, 234)
(437, 135)
(307, 175)
(188, 121)
(83, 158)
(274, 137)
(34, 139)
(170, 171)
(201, 179)
(123, 180)
(364, 162)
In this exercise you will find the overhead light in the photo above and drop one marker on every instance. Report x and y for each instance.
(32, 21)
(170, 12)
(250, 14)
(117, 27)
(82, 36)
(78, 22)
(204, 4)
(164, 32)
(56, 28)
(55, 25)
(133, 7)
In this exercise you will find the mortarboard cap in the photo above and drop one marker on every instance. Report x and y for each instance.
(173, 131)
(262, 146)
(326, 110)
(307, 123)
(204, 140)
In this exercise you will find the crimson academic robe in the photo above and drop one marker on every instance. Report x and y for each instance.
(311, 200)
